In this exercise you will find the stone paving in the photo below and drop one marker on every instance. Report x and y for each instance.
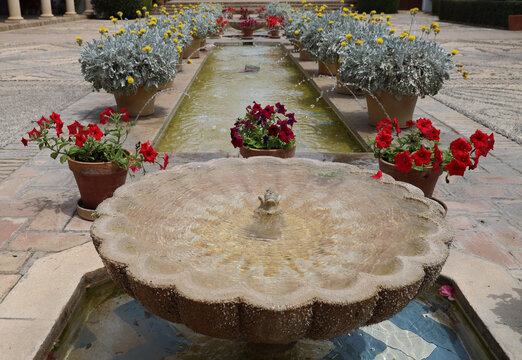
(38, 195)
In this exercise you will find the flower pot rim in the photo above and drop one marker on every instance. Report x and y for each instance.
(424, 169)
(95, 162)
(254, 149)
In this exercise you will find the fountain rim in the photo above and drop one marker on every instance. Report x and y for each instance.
(413, 269)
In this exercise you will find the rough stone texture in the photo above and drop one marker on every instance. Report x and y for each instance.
(178, 287)
(12, 261)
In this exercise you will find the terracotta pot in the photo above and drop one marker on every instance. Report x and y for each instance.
(142, 100)
(304, 56)
(400, 107)
(192, 51)
(274, 34)
(247, 34)
(203, 43)
(297, 46)
(515, 22)
(328, 69)
(247, 152)
(424, 180)
(179, 67)
(168, 85)
(345, 90)
(96, 181)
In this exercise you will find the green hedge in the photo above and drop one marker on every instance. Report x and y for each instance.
(491, 13)
(387, 6)
(106, 8)
(435, 7)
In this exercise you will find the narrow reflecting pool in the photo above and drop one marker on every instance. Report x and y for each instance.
(222, 90)
(112, 325)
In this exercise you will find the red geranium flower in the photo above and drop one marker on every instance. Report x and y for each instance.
(403, 161)
(437, 157)
(42, 122)
(33, 133)
(105, 115)
(460, 144)
(95, 132)
(455, 167)
(24, 141)
(273, 130)
(74, 127)
(125, 115)
(286, 134)
(148, 152)
(383, 139)
(422, 157)
(378, 175)
(165, 162)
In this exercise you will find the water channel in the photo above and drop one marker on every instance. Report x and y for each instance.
(222, 90)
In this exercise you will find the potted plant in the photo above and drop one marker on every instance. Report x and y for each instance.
(414, 156)
(260, 12)
(132, 64)
(243, 12)
(265, 132)
(274, 24)
(397, 70)
(229, 12)
(95, 155)
(248, 26)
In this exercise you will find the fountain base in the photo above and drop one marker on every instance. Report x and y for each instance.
(269, 349)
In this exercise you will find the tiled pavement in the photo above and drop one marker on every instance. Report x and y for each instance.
(37, 204)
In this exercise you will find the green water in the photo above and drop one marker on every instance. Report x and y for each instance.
(220, 93)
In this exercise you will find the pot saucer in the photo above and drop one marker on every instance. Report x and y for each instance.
(83, 212)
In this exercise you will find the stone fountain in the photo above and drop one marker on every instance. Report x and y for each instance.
(324, 251)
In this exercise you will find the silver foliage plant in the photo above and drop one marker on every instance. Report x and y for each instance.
(278, 9)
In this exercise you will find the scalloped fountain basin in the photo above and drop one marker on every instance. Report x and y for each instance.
(346, 250)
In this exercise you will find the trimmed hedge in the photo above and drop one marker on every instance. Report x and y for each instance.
(386, 6)
(106, 8)
(480, 12)
(435, 7)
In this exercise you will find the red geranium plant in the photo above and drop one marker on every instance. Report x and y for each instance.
(90, 143)
(264, 128)
(274, 22)
(418, 148)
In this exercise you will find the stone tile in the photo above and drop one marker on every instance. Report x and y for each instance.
(12, 261)
(461, 223)
(483, 245)
(8, 227)
(19, 209)
(25, 172)
(469, 206)
(489, 179)
(486, 191)
(10, 187)
(23, 338)
(6, 284)
(78, 224)
(493, 294)
(45, 241)
(518, 255)
(54, 217)
(62, 177)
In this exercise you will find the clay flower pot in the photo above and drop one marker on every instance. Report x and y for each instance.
(247, 33)
(96, 181)
(304, 56)
(327, 69)
(274, 34)
(397, 106)
(192, 51)
(247, 152)
(424, 180)
(142, 100)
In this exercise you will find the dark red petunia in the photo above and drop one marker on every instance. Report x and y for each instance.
(58, 123)
(33, 133)
(286, 134)
(273, 130)
(422, 157)
(135, 168)
(428, 130)
(424, 124)
(479, 139)
(378, 175)
(455, 167)
(437, 157)
(24, 141)
(385, 124)
(95, 132)
(383, 139)
(460, 144)
(396, 124)
(55, 117)
(74, 127)
(43, 122)
(125, 115)
(463, 157)
(403, 161)
(80, 139)
(280, 108)
(410, 123)
(148, 152)
(165, 162)
(105, 115)
(291, 119)
(237, 141)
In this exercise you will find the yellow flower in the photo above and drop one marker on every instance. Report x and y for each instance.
(373, 12)
(179, 48)
(348, 36)
(379, 41)
(296, 32)
(358, 42)
(100, 46)
(114, 20)
(424, 28)
(454, 52)
(78, 38)
(155, 5)
(119, 13)
(319, 15)
(138, 12)
(320, 29)
(411, 37)
(388, 17)
(146, 49)
(144, 8)
(133, 32)
(461, 70)
(459, 64)
(343, 43)
(179, 34)
(290, 19)
(130, 80)
(101, 30)
(465, 75)
(434, 25)
(143, 31)
(189, 61)
(346, 9)
(436, 30)
(175, 41)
